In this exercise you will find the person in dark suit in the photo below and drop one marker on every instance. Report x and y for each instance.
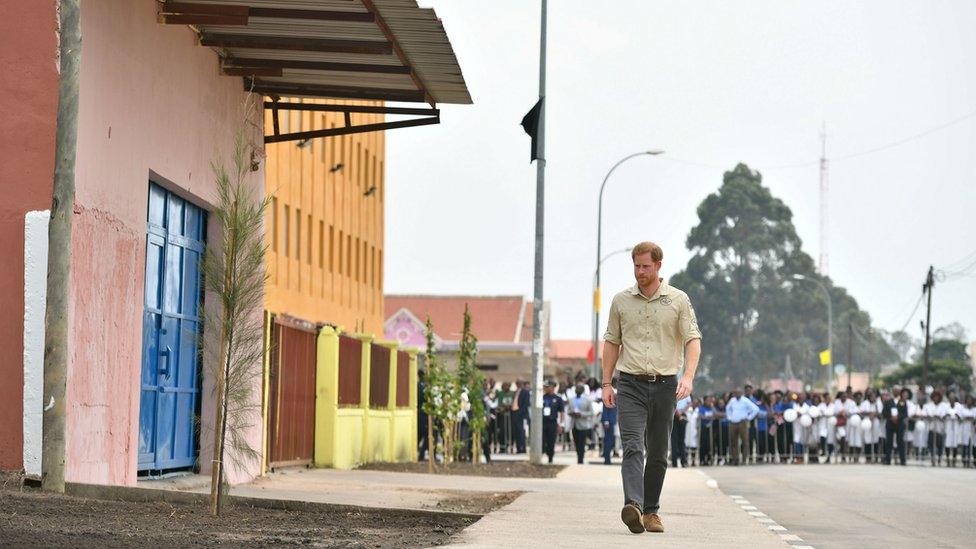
(520, 414)
(895, 414)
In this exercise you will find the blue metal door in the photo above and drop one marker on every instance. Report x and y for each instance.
(170, 333)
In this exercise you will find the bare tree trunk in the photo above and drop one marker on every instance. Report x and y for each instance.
(218, 451)
(430, 444)
(226, 341)
(476, 447)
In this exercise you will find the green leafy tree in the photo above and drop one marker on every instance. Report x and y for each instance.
(745, 250)
(941, 372)
(442, 400)
(471, 380)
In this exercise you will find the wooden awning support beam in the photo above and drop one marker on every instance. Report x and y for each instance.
(330, 45)
(188, 13)
(242, 62)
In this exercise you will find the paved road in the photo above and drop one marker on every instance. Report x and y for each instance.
(861, 506)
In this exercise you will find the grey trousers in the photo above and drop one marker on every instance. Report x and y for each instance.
(645, 413)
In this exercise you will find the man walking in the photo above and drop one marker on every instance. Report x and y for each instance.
(582, 412)
(651, 333)
(552, 419)
(740, 411)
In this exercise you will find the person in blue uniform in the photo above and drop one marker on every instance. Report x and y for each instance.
(552, 418)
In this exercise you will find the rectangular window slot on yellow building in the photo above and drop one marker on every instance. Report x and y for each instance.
(287, 231)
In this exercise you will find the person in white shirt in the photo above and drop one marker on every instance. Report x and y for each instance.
(691, 432)
(869, 410)
(878, 426)
(581, 410)
(954, 425)
(936, 412)
(855, 436)
(828, 435)
(920, 427)
(839, 427)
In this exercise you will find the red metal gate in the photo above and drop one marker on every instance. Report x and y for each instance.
(292, 399)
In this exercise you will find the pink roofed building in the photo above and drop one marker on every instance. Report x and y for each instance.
(502, 324)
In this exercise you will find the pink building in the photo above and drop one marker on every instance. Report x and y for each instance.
(502, 324)
(151, 94)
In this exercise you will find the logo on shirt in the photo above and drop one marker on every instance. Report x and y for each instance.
(665, 300)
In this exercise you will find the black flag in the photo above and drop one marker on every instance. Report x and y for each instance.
(530, 122)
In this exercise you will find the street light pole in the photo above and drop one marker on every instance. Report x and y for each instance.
(830, 326)
(596, 328)
(599, 241)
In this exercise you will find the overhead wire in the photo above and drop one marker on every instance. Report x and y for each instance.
(865, 152)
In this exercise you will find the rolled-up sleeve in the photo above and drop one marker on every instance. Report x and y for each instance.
(687, 322)
(613, 324)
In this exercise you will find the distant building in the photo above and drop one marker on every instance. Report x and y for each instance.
(502, 324)
(569, 357)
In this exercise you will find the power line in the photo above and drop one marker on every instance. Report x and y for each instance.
(811, 163)
(908, 139)
(912, 315)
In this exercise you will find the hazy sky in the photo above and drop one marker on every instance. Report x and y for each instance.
(713, 84)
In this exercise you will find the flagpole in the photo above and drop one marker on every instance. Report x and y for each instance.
(538, 345)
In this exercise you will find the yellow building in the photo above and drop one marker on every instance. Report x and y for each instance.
(325, 221)
(335, 394)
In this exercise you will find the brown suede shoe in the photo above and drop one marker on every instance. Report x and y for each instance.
(652, 522)
(631, 515)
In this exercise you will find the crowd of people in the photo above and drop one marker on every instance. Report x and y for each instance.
(887, 426)
(890, 425)
(756, 426)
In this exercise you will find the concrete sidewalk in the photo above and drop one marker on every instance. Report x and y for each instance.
(581, 508)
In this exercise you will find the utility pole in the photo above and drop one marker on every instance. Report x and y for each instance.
(927, 288)
(57, 310)
(850, 351)
(824, 265)
(538, 343)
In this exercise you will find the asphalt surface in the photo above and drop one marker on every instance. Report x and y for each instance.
(861, 506)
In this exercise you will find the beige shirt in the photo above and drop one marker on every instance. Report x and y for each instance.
(652, 332)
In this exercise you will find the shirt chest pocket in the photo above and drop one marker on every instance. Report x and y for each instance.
(665, 314)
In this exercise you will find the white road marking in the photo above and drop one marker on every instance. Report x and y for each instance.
(761, 517)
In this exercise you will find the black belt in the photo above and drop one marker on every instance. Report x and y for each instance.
(650, 378)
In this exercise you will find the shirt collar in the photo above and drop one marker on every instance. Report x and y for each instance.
(662, 289)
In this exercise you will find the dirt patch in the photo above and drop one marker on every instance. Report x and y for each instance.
(478, 503)
(11, 480)
(521, 469)
(39, 519)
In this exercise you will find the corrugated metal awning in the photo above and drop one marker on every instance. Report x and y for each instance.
(389, 50)
(385, 50)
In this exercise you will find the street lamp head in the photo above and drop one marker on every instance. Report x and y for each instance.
(655, 152)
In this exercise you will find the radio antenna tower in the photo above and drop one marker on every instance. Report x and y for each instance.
(824, 264)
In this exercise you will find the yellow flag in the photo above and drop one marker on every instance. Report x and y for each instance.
(596, 300)
(825, 358)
